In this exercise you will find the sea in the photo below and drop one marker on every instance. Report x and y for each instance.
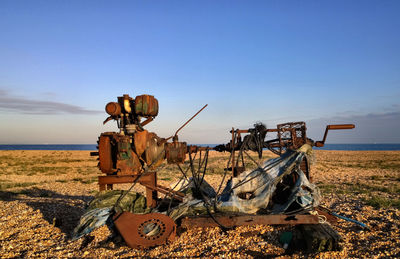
(90, 147)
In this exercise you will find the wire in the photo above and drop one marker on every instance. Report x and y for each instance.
(204, 199)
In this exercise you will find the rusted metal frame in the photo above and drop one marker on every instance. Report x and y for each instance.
(233, 151)
(115, 179)
(166, 191)
(294, 140)
(280, 140)
(199, 158)
(248, 220)
(247, 131)
(240, 156)
(235, 136)
(195, 149)
(151, 192)
(240, 150)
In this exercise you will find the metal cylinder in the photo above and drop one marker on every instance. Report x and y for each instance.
(146, 105)
(113, 108)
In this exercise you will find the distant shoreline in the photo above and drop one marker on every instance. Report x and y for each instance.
(92, 147)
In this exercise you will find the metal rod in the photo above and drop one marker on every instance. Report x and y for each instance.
(233, 151)
(176, 133)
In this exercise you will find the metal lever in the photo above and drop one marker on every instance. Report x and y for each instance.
(333, 127)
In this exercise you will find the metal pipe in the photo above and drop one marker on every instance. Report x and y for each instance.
(176, 133)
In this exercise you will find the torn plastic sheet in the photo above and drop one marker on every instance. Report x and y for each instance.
(251, 192)
(91, 220)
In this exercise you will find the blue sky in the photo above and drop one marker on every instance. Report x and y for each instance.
(269, 61)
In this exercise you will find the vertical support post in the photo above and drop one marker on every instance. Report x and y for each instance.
(102, 187)
(151, 194)
(233, 152)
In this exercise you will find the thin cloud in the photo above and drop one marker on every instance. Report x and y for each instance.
(27, 106)
(370, 128)
(395, 115)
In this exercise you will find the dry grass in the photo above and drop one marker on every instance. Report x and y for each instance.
(43, 194)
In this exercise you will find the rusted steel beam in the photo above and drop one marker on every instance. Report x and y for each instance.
(247, 131)
(162, 189)
(116, 179)
(233, 151)
(247, 220)
(194, 149)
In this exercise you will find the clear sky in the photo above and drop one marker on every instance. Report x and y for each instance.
(269, 61)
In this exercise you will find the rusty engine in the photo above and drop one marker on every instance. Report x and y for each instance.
(134, 153)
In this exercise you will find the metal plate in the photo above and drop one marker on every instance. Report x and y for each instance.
(145, 230)
(105, 159)
(249, 220)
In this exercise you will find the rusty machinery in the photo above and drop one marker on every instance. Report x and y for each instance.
(133, 155)
(290, 135)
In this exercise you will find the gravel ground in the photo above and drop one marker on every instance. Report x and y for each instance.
(44, 193)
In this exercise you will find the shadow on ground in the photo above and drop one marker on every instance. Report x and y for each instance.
(62, 211)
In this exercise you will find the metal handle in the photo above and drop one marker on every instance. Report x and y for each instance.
(333, 127)
(340, 126)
